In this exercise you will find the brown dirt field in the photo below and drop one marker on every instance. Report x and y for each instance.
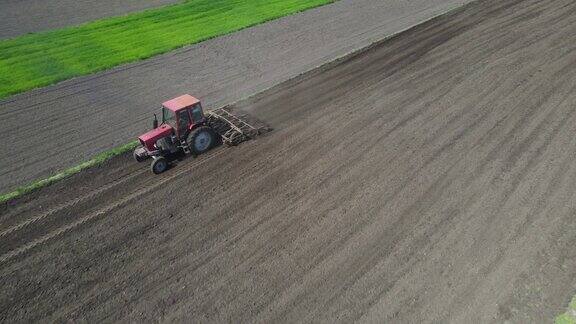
(430, 178)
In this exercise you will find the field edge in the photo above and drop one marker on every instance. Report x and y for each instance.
(42, 81)
(568, 317)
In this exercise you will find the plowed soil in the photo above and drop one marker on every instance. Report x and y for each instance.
(430, 178)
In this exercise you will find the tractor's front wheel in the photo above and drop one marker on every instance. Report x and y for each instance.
(159, 165)
(138, 156)
(201, 140)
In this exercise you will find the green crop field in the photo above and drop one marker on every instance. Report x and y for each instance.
(569, 317)
(41, 59)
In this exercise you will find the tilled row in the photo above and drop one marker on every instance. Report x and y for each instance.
(53, 222)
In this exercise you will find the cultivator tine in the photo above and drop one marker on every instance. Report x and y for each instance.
(234, 129)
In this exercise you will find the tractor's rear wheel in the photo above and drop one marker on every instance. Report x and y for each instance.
(159, 165)
(201, 140)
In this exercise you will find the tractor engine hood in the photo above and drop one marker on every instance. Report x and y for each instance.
(149, 139)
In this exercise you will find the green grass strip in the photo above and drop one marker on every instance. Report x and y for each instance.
(98, 160)
(41, 59)
(570, 316)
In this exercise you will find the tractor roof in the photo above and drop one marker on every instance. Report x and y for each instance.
(180, 102)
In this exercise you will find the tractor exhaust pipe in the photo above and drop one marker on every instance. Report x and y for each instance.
(155, 122)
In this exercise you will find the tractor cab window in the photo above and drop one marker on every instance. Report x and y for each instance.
(183, 121)
(197, 113)
(168, 117)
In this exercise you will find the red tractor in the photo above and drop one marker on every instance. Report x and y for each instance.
(185, 128)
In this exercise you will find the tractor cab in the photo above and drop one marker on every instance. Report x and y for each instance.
(182, 114)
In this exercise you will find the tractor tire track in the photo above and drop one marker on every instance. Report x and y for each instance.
(61, 229)
(69, 204)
